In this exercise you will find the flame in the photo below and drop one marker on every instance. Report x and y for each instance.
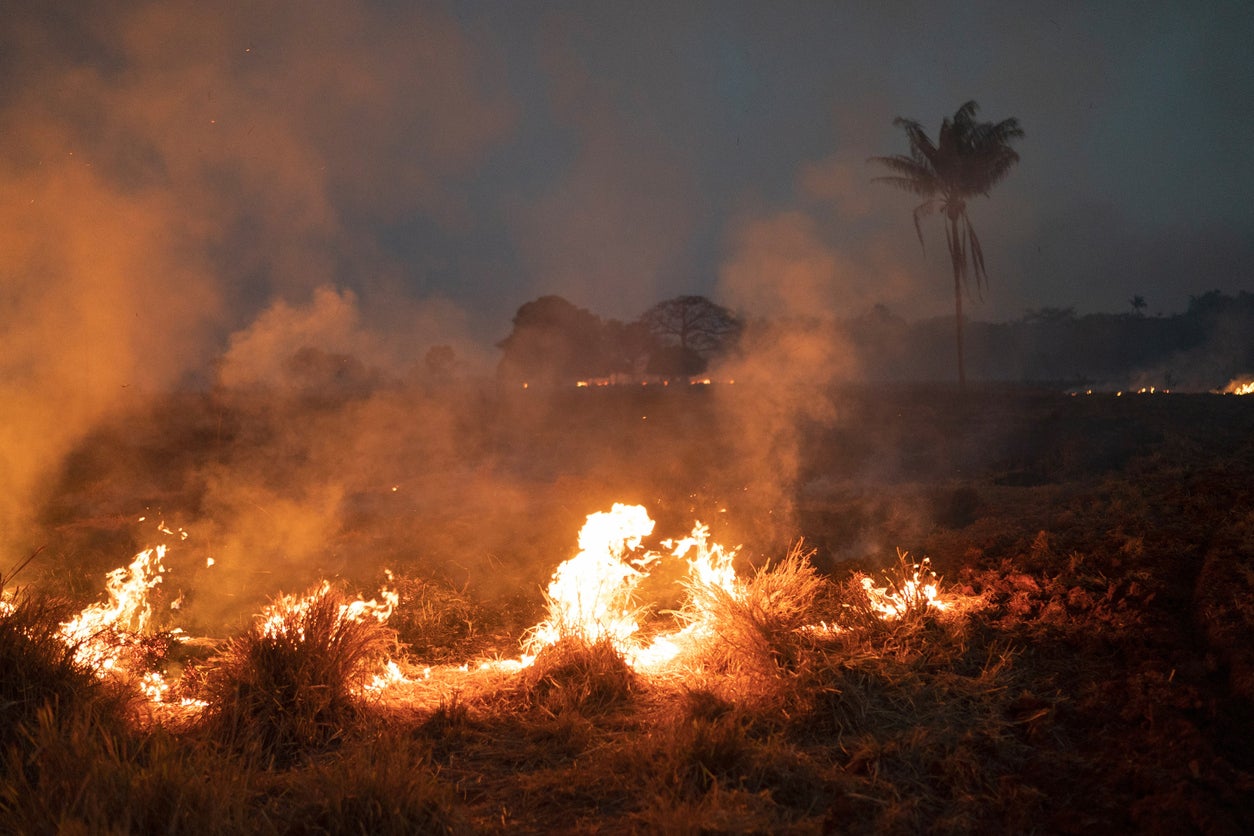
(918, 591)
(390, 676)
(278, 617)
(103, 634)
(1239, 386)
(592, 597)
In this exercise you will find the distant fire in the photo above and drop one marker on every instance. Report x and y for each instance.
(1239, 386)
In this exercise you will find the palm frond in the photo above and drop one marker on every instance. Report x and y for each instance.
(907, 166)
(966, 113)
(925, 208)
(921, 147)
(999, 133)
(922, 188)
(995, 167)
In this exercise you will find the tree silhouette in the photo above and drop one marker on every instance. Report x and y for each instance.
(553, 341)
(689, 330)
(967, 160)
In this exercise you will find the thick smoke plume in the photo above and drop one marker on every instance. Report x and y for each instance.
(166, 171)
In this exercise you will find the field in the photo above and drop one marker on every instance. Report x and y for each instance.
(1093, 669)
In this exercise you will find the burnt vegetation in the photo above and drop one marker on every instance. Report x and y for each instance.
(1096, 676)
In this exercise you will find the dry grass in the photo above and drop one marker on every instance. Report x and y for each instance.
(756, 630)
(577, 676)
(1100, 686)
(437, 623)
(292, 683)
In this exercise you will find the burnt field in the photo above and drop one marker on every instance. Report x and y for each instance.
(1094, 670)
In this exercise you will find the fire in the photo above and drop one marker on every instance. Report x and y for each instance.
(917, 591)
(592, 597)
(104, 634)
(1239, 386)
(283, 617)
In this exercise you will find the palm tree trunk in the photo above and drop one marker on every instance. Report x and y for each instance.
(958, 259)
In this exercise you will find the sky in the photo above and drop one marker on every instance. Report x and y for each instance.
(176, 178)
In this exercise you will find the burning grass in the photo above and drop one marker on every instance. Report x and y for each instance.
(1079, 667)
(41, 675)
(293, 682)
(752, 630)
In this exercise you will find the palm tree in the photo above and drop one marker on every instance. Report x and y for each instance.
(968, 159)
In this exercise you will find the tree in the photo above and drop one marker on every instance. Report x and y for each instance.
(689, 330)
(968, 159)
(553, 341)
(1138, 305)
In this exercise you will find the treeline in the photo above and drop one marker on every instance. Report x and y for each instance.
(554, 342)
(1207, 345)
(1202, 348)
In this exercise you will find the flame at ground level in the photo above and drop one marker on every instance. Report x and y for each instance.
(1239, 386)
(591, 597)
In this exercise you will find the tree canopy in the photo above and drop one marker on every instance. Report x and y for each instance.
(555, 341)
(691, 327)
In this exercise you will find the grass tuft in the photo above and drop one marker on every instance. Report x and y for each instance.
(40, 671)
(293, 681)
(575, 675)
(758, 627)
(439, 624)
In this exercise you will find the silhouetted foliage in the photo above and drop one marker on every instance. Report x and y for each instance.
(628, 346)
(689, 330)
(553, 341)
(968, 159)
(1198, 350)
(1049, 315)
(328, 375)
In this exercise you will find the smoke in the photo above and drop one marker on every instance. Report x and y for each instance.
(620, 214)
(789, 281)
(100, 306)
(168, 173)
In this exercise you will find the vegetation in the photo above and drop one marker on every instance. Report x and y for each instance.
(1096, 677)
(967, 160)
(289, 684)
(555, 342)
(689, 330)
(1199, 349)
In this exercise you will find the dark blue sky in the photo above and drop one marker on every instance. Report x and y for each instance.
(174, 173)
